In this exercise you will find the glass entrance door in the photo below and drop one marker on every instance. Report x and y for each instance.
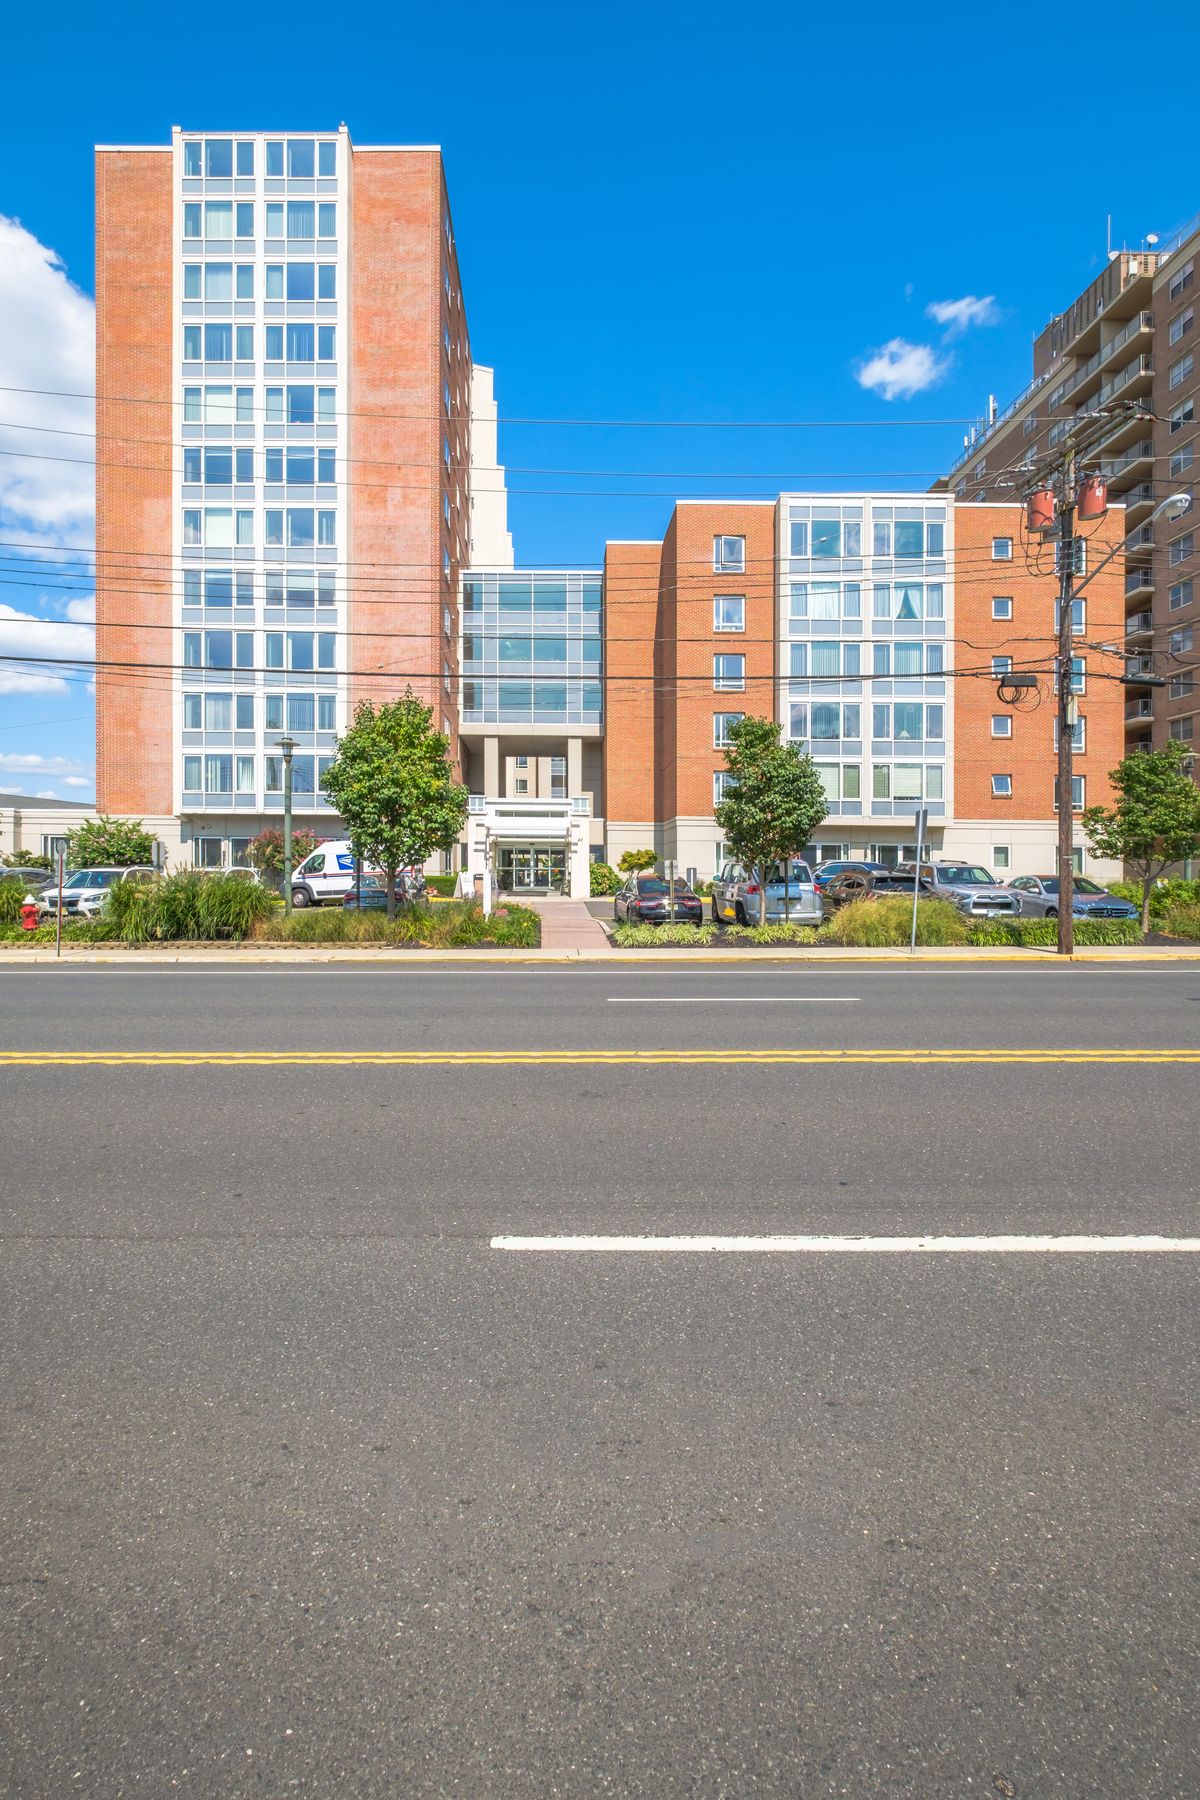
(531, 868)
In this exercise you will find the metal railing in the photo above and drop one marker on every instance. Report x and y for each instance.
(1141, 365)
(1113, 466)
(1138, 622)
(1137, 578)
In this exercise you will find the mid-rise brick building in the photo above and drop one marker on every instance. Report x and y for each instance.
(1130, 335)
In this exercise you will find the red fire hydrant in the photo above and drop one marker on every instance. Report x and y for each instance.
(29, 913)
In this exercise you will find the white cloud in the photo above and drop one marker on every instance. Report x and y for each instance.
(898, 370)
(47, 343)
(76, 781)
(50, 767)
(958, 315)
(28, 635)
(82, 611)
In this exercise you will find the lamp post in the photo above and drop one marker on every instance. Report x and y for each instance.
(286, 746)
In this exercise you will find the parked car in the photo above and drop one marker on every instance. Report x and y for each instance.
(1038, 899)
(370, 895)
(32, 880)
(793, 901)
(859, 884)
(971, 888)
(648, 900)
(824, 872)
(85, 891)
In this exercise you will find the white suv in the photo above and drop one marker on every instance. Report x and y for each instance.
(84, 892)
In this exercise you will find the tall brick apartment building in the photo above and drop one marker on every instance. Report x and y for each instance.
(1130, 335)
(283, 480)
(876, 628)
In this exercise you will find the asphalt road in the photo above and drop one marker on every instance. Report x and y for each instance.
(306, 1489)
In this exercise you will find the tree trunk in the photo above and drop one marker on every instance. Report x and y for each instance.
(1147, 884)
(391, 894)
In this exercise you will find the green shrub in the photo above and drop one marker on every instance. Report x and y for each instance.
(770, 934)
(109, 843)
(442, 884)
(1094, 933)
(888, 923)
(1182, 922)
(191, 904)
(604, 879)
(633, 860)
(12, 895)
(452, 926)
(650, 937)
(1165, 896)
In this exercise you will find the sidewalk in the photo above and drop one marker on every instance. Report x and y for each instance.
(568, 928)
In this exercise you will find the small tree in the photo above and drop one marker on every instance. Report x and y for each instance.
(109, 843)
(390, 780)
(634, 860)
(1156, 819)
(265, 852)
(774, 803)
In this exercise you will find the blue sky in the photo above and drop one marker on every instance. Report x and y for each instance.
(664, 212)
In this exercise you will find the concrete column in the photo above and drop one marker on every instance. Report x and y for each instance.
(491, 768)
(574, 768)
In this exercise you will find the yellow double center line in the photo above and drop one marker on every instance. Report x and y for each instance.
(266, 1059)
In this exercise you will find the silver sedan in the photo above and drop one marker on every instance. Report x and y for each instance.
(1039, 899)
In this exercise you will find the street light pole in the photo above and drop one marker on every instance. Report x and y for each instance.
(286, 747)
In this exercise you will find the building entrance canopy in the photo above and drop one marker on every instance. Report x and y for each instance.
(530, 846)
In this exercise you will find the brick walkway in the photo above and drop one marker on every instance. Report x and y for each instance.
(567, 925)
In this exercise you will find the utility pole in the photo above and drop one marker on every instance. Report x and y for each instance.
(1066, 713)
(287, 746)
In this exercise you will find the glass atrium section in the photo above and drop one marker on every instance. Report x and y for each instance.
(532, 648)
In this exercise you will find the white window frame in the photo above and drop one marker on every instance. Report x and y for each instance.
(999, 555)
(999, 790)
(729, 684)
(1004, 722)
(721, 600)
(999, 601)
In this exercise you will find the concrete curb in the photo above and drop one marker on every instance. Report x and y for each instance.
(308, 956)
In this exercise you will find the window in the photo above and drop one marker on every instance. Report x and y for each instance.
(1180, 686)
(1181, 729)
(218, 649)
(825, 659)
(729, 612)
(217, 526)
(521, 784)
(824, 720)
(1002, 606)
(1180, 640)
(521, 762)
(1181, 415)
(1180, 594)
(303, 768)
(1001, 857)
(217, 466)
(295, 649)
(908, 719)
(1002, 725)
(722, 780)
(1180, 325)
(904, 781)
(1077, 793)
(1182, 458)
(836, 537)
(299, 463)
(909, 600)
(1002, 549)
(907, 537)
(1001, 665)
(1179, 549)
(1078, 558)
(729, 673)
(1002, 787)
(1180, 370)
(825, 600)
(723, 724)
(729, 553)
(1182, 280)
(841, 781)
(1078, 735)
(294, 526)
(192, 776)
(244, 712)
(1078, 616)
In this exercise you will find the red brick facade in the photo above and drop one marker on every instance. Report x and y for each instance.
(134, 433)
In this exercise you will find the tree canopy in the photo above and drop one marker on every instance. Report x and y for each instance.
(774, 802)
(1155, 822)
(106, 843)
(390, 780)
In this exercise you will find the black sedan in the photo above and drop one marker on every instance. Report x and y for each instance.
(648, 900)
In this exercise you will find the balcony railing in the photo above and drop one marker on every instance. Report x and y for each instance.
(1140, 709)
(1114, 466)
(1138, 665)
(1137, 578)
(1142, 321)
(1139, 622)
(989, 428)
(1141, 365)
